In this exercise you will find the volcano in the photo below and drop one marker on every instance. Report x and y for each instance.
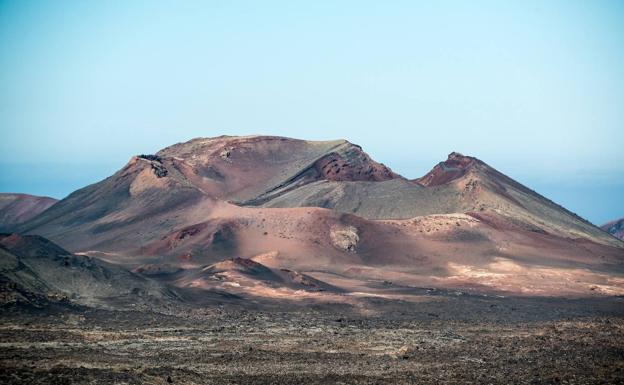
(326, 210)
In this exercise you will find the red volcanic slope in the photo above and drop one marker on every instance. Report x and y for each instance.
(258, 168)
(18, 208)
(615, 228)
(182, 184)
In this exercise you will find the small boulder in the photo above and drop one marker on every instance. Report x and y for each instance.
(225, 154)
(344, 238)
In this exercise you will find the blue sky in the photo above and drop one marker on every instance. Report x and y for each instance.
(534, 88)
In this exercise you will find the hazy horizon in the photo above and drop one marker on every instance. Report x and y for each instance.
(534, 89)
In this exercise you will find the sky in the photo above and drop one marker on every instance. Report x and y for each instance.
(533, 88)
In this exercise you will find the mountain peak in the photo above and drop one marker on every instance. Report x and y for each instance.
(455, 154)
(459, 159)
(615, 228)
(455, 166)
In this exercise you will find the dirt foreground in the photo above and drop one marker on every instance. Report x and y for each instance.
(459, 341)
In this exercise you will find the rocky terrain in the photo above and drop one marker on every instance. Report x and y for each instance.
(36, 272)
(454, 340)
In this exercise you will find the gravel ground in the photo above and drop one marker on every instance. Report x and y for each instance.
(566, 343)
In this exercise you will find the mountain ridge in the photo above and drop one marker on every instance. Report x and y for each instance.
(326, 207)
(17, 208)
